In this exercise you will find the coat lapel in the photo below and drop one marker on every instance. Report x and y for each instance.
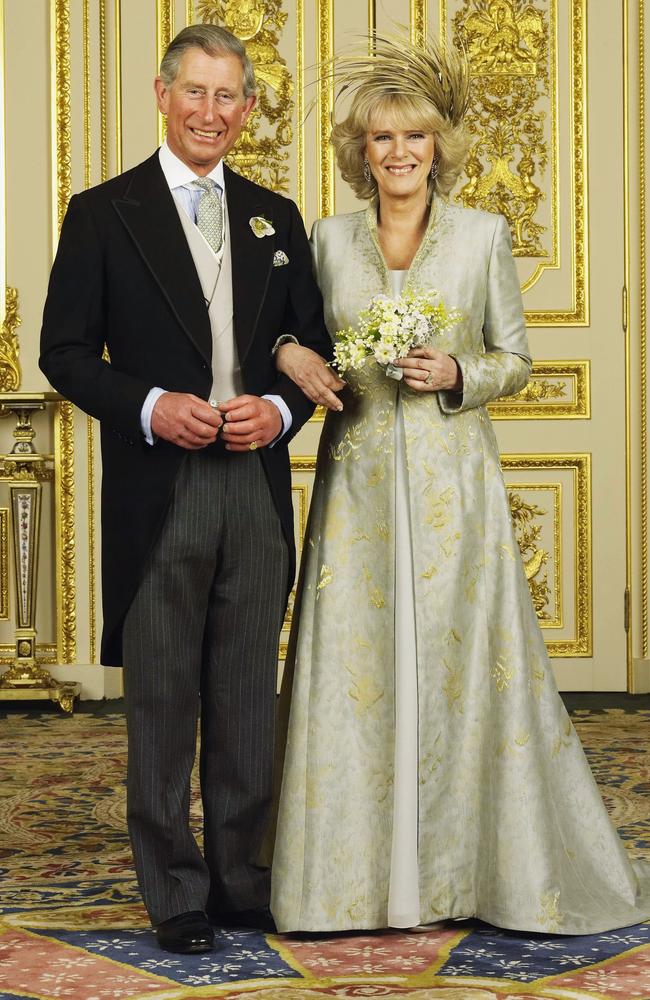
(149, 213)
(252, 258)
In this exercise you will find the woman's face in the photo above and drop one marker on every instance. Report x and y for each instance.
(400, 159)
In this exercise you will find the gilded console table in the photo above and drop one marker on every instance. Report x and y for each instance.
(25, 470)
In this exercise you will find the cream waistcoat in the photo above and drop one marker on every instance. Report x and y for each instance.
(216, 281)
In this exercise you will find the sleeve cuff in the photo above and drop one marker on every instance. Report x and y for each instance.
(147, 409)
(285, 413)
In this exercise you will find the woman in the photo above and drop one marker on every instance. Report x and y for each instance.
(431, 769)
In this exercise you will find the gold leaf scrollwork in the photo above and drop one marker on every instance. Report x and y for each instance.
(534, 557)
(538, 389)
(10, 373)
(261, 153)
(507, 43)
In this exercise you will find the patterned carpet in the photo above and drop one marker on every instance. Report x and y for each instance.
(72, 926)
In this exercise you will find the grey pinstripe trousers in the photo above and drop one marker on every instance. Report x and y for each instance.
(201, 639)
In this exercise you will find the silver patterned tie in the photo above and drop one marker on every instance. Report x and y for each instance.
(209, 214)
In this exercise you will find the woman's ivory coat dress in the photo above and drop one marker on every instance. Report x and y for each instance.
(431, 770)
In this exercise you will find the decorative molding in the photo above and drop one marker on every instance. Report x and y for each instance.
(61, 122)
(118, 86)
(556, 390)
(643, 334)
(578, 315)
(10, 372)
(580, 466)
(189, 12)
(325, 106)
(417, 21)
(103, 91)
(164, 35)
(64, 493)
(4, 563)
(300, 106)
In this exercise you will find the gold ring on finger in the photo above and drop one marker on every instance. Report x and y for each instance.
(253, 446)
(429, 379)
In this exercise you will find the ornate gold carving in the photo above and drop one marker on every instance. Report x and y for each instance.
(10, 373)
(325, 152)
(4, 564)
(300, 105)
(86, 91)
(103, 92)
(418, 21)
(557, 389)
(580, 466)
(189, 12)
(64, 435)
(259, 23)
(507, 43)
(64, 488)
(506, 33)
(547, 601)
(61, 109)
(164, 35)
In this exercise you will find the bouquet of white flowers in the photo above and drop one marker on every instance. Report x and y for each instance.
(389, 328)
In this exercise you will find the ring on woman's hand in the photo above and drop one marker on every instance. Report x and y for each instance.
(253, 445)
(429, 379)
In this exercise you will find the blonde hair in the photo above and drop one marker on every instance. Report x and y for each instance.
(409, 87)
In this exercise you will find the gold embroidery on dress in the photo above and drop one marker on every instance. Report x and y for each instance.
(326, 577)
(550, 916)
(365, 691)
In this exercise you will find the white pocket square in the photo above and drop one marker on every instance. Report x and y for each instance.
(280, 258)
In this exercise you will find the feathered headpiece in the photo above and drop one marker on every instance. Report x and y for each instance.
(397, 65)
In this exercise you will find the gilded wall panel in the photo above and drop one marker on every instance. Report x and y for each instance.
(517, 145)
(561, 585)
(556, 390)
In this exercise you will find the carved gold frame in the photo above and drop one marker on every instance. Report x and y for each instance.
(4, 559)
(64, 481)
(535, 401)
(581, 645)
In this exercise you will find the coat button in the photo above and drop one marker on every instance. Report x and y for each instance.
(204, 366)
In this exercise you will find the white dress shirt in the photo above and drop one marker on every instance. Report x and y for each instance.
(179, 177)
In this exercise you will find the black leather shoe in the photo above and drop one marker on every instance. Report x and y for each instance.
(187, 934)
(259, 919)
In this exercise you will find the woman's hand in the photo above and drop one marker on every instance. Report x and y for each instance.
(311, 374)
(427, 370)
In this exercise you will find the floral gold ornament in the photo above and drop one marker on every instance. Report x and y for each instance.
(10, 373)
(507, 44)
(261, 151)
(261, 227)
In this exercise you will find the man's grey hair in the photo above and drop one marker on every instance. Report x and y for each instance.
(215, 41)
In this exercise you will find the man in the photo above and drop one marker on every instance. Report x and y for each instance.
(189, 274)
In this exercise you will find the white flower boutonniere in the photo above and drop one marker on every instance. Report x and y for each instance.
(261, 226)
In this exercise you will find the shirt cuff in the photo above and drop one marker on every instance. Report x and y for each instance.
(285, 413)
(284, 338)
(145, 413)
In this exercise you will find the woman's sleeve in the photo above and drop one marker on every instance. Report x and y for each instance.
(313, 243)
(505, 366)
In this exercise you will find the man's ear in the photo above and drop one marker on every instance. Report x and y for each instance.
(162, 95)
(249, 104)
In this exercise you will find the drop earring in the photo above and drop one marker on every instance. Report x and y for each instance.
(366, 171)
(434, 169)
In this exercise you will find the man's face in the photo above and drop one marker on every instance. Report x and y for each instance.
(205, 107)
